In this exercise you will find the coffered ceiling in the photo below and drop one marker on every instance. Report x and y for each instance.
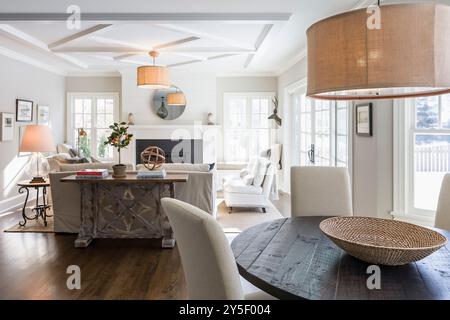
(223, 37)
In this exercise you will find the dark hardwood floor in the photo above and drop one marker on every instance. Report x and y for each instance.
(33, 266)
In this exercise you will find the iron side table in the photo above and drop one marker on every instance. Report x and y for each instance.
(41, 207)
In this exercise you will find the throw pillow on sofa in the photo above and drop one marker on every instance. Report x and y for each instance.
(243, 173)
(260, 172)
(248, 179)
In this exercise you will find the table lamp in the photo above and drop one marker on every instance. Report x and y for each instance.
(37, 139)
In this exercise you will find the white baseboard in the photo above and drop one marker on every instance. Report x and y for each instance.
(13, 203)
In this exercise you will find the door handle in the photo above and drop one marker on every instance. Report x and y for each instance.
(311, 154)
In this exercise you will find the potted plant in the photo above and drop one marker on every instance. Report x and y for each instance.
(119, 139)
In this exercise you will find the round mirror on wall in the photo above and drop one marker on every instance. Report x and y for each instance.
(169, 104)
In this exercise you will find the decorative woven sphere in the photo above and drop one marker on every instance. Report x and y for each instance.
(153, 158)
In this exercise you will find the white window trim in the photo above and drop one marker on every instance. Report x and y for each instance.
(93, 95)
(404, 166)
(286, 111)
(248, 96)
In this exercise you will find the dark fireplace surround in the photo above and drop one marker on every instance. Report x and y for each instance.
(186, 150)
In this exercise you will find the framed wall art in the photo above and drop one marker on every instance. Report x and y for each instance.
(364, 126)
(24, 110)
(7, 126)
(43, 115)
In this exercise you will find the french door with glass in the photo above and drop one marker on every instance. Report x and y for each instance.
(320, 132)
(89, 118)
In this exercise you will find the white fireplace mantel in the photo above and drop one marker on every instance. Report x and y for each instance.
(207, 133)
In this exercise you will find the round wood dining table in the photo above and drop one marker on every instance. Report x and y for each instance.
(293, 259)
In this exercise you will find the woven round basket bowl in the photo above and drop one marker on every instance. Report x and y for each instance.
(381, 241)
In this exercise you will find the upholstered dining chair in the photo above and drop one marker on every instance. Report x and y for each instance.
(208, 262)
(443, 210)
(320, 191)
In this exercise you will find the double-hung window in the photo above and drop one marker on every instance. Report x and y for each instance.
(89, 118)
(246, 125)
(421, 155)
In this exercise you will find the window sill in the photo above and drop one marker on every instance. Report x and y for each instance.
(231, 166)
(420, 219)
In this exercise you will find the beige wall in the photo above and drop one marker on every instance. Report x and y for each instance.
(94, 84)
(19, 80)
(373, 165)
(372, 157)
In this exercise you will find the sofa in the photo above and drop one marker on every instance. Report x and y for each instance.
(252, 188)
(199, 191)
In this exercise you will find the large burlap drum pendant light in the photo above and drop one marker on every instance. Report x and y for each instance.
(153, 77)
(408, 56)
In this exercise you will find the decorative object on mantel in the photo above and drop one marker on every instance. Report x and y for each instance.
(275, 116)
(7, 126)
(364, 125)
(382, 241)
(153, 157)
(402, 53)
(119, 139)
(211, 120)
(170, 103)
(24, 110)
(37, 139)
(131, 119)
(162, 110)
(43, 115)
(153, 77)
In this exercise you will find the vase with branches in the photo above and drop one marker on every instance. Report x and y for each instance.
(119, 139)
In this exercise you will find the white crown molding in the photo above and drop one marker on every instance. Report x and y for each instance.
(153, 17)
(31, 61)
(296, 59)
(246, 74)
(93, 73)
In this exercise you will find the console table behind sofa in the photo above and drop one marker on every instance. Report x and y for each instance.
(199, 191)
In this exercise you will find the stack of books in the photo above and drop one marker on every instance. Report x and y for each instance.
(92, 174)
(160, 174)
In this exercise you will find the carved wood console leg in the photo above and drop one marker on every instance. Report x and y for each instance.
(83, 242)
(88, 208)
(168, 242)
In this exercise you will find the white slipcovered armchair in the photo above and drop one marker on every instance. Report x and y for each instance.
(252, 189)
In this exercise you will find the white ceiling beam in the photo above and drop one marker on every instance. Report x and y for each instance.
(79, 35)
(259, 41)
(196, 61)
(73, 60)
(124, 56)
(99, 49)
(205, 35)
(23, 37)
(177, 50)
(32, 42)
(152, 17)
(109, 41)
(29, 60)
(183, 63)
(175, 43)
(229, 50)
(158, 47)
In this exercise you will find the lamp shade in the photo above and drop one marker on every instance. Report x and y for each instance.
(154, 77)
(176, 99)
(408, 57)
(37, 139)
